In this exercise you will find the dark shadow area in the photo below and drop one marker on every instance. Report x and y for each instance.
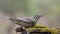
(40, 33)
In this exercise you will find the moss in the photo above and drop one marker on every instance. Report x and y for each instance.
(43, 29)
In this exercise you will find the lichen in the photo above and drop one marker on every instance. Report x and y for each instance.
(43, 29)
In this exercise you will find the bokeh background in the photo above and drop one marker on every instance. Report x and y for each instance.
(49, 8)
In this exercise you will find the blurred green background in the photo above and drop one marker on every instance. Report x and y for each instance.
(49, 8)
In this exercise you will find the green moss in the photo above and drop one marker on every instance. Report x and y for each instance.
(43, 29)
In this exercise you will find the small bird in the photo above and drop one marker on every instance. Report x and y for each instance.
(26, 22)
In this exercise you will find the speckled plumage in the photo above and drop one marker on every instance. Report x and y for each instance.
(26, 22)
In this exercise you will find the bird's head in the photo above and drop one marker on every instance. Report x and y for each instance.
(36, 17)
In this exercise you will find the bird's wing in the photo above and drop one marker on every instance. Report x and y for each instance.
(25, 19)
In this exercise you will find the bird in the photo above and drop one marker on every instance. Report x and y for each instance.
(26, 22)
